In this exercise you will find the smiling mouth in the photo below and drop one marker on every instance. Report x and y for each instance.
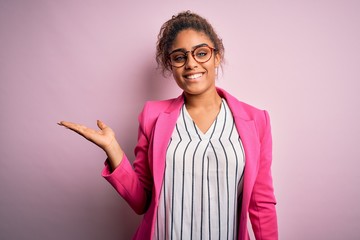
(194, 76)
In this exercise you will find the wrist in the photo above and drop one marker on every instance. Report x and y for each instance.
(114, 153)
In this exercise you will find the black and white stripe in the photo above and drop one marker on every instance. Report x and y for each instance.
(202, 183)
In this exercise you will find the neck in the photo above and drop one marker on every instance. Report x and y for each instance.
(209, 99)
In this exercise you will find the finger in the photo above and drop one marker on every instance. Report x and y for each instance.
(74, 126)
(68, 124)
(64, 124)
(101, 124)
(60, 123)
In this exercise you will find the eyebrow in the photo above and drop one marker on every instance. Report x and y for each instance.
(184, 50)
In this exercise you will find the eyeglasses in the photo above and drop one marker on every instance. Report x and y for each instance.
(201, 54)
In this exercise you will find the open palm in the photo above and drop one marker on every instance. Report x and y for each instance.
(103, 137)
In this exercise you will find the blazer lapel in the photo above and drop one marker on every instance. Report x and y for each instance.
(247, 132)
(249, 138)
(163, 129)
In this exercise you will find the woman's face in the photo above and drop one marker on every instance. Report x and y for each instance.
(194, 78)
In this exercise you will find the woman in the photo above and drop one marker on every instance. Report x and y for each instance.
(203, 159)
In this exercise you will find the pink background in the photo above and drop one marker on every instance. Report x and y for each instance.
(67, 60)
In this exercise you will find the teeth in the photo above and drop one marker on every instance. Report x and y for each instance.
(194, 76)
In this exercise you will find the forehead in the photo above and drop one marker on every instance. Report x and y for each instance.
(189, 38)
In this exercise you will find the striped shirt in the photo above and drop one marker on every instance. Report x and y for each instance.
(202, 184)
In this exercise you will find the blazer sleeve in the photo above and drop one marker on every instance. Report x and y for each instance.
(262, 210)
(134, 184)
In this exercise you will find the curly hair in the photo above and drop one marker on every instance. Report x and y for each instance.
(170, 29)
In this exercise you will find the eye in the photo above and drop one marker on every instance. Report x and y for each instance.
(202, 52)
(179, 57)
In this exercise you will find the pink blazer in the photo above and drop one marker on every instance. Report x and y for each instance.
(140, 184)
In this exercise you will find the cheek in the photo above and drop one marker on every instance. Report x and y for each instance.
(176, 73)
(176, 76)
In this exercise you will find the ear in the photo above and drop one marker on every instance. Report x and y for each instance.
(217, 59)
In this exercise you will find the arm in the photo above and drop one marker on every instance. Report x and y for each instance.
(118, 170)
(262, 210)
(134, 184)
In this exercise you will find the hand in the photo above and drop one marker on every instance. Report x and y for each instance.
(104, 138)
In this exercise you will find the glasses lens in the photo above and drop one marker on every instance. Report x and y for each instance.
(178, 59)
(202, 54)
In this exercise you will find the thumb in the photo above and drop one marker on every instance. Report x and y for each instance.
(100, 124)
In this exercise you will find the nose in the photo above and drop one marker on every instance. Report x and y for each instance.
(190, 61)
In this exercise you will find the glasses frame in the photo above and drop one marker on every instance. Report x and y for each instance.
(212, 50)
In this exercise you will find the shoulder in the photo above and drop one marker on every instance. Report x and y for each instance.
(152, 110)
(247, 112)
